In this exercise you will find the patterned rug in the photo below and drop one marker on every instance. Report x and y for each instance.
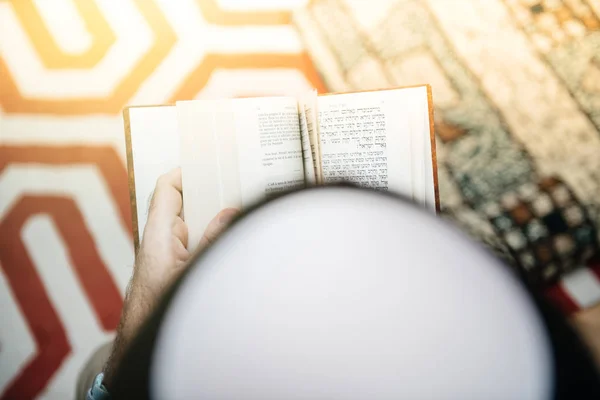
(516, 86)
(67, 68)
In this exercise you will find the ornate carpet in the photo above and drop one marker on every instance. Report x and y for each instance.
(516, 85)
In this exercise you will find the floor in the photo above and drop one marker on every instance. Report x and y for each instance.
(517, 94)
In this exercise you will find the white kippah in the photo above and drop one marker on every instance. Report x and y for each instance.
(344, 294)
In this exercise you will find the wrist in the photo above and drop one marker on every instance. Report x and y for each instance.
(137, 305)
(151, 276)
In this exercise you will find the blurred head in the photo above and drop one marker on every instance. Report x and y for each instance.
(342, 293)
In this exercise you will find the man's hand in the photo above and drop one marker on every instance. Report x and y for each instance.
(162, 257)
(163, 252)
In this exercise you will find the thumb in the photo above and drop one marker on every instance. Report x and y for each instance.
(218, 225)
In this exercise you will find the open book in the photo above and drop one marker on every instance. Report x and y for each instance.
(237, 152)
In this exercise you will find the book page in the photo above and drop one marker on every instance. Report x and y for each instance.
(367, 139)
(197, 125)
(428, 181)
(269, 147)
(312, 125)
(154, 151)
(236, 153)
(307, 152)
(422, 176)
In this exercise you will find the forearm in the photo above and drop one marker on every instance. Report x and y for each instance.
(137, 306)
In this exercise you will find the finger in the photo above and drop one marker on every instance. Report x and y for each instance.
(171, 179)
(182, 255)
(167, 198)
(217, 225)
(180, 230)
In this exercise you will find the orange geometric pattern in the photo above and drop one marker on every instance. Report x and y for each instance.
(52, 345)
(43, 321)
(213, 14)
(105, 158)
(48, 330)
(194, 83)
(46, 47)
(95, 248)
(13, 102)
